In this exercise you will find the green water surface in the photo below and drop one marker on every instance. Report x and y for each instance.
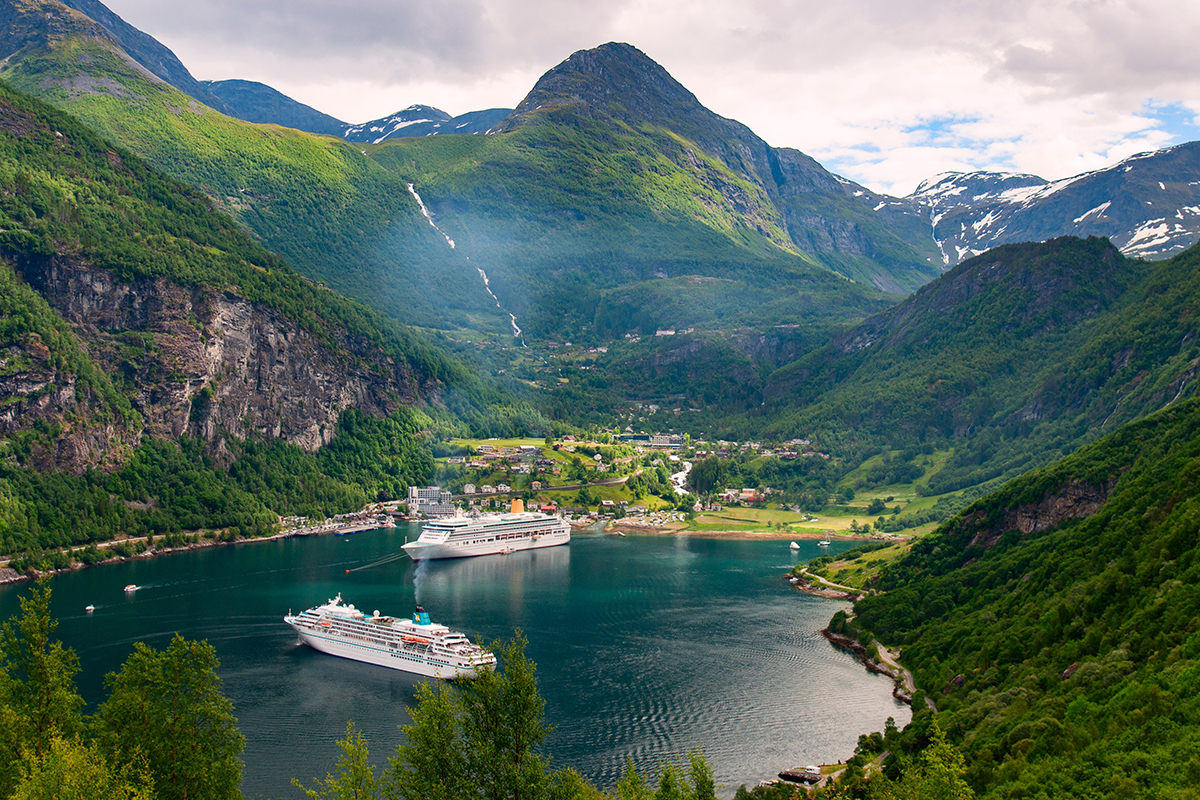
(646, 647)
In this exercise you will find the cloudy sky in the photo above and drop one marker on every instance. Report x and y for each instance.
(886, 92)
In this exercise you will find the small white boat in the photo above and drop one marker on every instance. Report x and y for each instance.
(824, 543)
(794, 546)
(131, 588)
(90, 608)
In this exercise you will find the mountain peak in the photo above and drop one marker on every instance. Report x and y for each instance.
(614, 80)
(422, 120)
(147, 51)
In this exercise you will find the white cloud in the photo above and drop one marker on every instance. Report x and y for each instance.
(884, 91)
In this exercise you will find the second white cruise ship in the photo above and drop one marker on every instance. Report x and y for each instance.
(459, 537)
(417, 645)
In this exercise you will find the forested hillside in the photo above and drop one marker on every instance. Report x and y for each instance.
(163, 372)
(1054, 622)
(572, 213)
(611, 235)
(1014, 358)
(317, 201)
(612, 202)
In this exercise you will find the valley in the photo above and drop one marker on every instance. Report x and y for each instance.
(221, 308)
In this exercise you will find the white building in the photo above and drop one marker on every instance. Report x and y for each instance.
(431, 501)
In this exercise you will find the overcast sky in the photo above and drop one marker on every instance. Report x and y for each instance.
(886, 92)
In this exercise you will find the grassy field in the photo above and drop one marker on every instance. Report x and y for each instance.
(769, 520)
(858, 571)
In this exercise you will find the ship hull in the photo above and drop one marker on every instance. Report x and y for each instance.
(397, 658)
(421, 551)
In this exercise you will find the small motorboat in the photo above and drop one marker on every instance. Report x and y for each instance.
(131, 588)
(794, 546)
(824, 543)
(90, 608)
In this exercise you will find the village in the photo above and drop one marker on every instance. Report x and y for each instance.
(621, 482)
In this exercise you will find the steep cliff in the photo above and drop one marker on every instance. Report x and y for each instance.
(201, 361)
(157, 316)
(57, 409)
(1075, 499)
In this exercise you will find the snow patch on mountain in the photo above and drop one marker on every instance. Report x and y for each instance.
(1098, 211)
(1128, 202)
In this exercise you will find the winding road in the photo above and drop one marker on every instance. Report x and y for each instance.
(830, 584)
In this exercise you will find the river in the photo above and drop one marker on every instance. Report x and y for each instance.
(646, 647)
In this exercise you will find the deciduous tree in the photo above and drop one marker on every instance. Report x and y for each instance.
(168, 707)
(355, 778)
(69, 770)
(38, 700)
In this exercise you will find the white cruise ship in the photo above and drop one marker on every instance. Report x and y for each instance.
(415, 645)
(459, 537)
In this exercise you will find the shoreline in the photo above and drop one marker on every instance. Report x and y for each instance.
(899, 690)
(11, 576)
(733, 534)
(802, 583)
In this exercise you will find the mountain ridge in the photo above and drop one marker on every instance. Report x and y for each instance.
(210, 334)
(1147, 204)
(1012, 358)
(822, 214)
(889, 234)
(148, 52)
(421, 120)
(256, 102)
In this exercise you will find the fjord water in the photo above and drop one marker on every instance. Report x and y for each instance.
(646, 647)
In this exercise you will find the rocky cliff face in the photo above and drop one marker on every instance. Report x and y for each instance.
(1074, 500)
(205, 362)
(37, 394)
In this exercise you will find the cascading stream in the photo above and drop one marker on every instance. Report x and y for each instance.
(486, 282)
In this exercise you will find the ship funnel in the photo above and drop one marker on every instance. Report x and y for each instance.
(421, 617)
(518, 506)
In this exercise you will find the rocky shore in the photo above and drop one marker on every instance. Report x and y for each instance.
(805, 583)
(897, 674)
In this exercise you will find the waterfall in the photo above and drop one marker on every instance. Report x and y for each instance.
(487, 284)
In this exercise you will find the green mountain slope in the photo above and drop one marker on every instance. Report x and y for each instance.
(610, 175)
(578, 226)
(833, 220)
(1054, 621)
(570, 206)
(161, 371)
(73, 197)
(1014, 358)
(317, 201)
(149, 53)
